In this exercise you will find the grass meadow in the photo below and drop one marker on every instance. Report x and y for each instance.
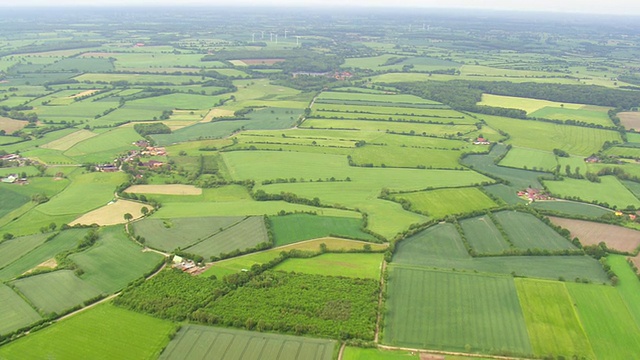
(103, 332)
(461, 312)
(443, 202)
(350, 265)
(14, 249)
(527, 232)
(483, 235)
(610, 190)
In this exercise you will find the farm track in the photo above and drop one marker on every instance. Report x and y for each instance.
(452, 353)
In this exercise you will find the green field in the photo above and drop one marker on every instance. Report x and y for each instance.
(169, 234)
(105, 331)
(548, 136)
(592, 115)
(105, 146)
(202, 342)
(526, 104)
(538, 160)
(483, 236)
(609, 325)
(628, 285)
(10, 200)
(114, 261)
(244, 235)
(56, 291)
(14, 311)
(443, 202)
(528, 232)
(65, 240)
(461, 312)
(441, 241)
(13, 249)
(299, 227)
(571, 208)
(552, 322)
(350, 265)
(610, 191)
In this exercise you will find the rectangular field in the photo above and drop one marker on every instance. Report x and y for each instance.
(103, 332)
(483, 236)
(609, 325)
(56, 291)
(170, 234)
(453, 311)
(592, 233)
(628, 285)
(443, 202)
(299, 227)
(244, 235)
(552, 323)
(13, 249)
(527, 232)
(441, 241)
(203, 342)
(610, 191)
(572, 208)
(350, 265)
(14, 311)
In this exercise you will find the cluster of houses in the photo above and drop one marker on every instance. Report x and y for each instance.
(338, 75)
(631, 217)
(14, 179)
(534, 194)
(186, 265)
(145, 149)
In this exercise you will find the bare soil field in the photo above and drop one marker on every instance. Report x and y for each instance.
(49, 264)
(111, 214)
(169, 189)
(11, 125)
(636, 261)
(84, 93)
(630, 119)
(592, 233)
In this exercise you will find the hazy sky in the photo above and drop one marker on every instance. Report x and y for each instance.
(631, 7)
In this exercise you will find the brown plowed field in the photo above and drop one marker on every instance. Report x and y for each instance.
(630, 119)
(592, 233)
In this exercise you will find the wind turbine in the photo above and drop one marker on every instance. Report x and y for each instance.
(297, 40)
(276, 38)
(262, 34)
(271, 34)
(253, 37)
(285, 33)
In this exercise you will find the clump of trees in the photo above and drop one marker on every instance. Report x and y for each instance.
(150, 129)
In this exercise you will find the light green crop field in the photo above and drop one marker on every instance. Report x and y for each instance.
(178, 101)
(609, 325)
(483, 236)
(104, 147)
(527, 232)
(552, 322)
(350, 265)
(434, 115)
(65, 240)
(355, 353)
(624, 151)
(388, 156)
(591, 115)
(391, 99)
(56, 291)
(526, 104)
(610, 190)
(85, 193)
(169, 234)
(393, 110)
(243, 235)
(298, 227)
(443, 202)
(536, 160)
(14, 249)
(114, 261)
(439, 130)
(65, 143)
(139, 78)
(532, 134)
(628, 284)
(203, 342)
(29, 170)
(104, 332)
(462, 312)
(14, 311)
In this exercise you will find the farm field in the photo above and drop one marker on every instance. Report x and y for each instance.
(55, 292)
(202, 342)
(592, 233)
(463, 312)
(526, 104)
(111, 214)
(483, 236)
(299, 227)
(114, 261)
(350, 265)
(169, 234)
(572, 208)
(610, 191)
(67, 142)
(105, 330)
(628, 286)
(609, 325)
(13, 249)
(15, 312)
(527, 232)
(169, 189)
(630, 120)
(537, 160)
(246, 234)
(552, 323)
(443, 202)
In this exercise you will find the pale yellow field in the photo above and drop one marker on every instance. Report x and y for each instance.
(238, 63)
(84, 93)
(66, 142)
(169, 189)
(111, 214)
(216, 113)
(528, 105)
(11, 125)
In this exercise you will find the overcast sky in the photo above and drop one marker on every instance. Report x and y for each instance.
(630, 7)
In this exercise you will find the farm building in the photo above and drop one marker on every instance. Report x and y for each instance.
(481, 141)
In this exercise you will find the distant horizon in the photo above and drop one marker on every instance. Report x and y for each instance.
(613, 7)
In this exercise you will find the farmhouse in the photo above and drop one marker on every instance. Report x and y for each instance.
(592, 159)
(107, 168)
(10, 157)
(152, 164)
(534, 194)
(10, 179)
(481, 141)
